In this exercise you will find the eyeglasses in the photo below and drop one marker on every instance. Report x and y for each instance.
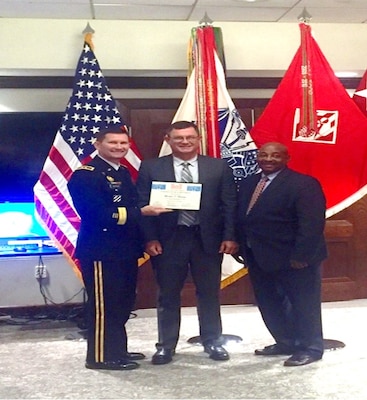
(182, 138)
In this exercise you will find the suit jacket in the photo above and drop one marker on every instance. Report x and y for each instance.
(98, 190)
(218, 202)
(287, 221)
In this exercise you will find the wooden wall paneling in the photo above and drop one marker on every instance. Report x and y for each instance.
(338, 268)
(349, 280)
(148, 129)
(239, 292)
(247, 116)
(146, 292)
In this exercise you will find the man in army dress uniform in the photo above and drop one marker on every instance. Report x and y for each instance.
(108, 247)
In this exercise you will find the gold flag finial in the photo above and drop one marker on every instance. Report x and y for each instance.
(88, 33)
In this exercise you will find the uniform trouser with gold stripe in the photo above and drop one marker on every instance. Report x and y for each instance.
(111, 291)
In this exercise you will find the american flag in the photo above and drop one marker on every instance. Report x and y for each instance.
(91, 107)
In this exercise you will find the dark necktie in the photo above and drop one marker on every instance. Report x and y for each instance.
(257, 192)
(187, 218)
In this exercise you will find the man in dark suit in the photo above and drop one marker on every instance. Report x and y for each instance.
(176, 245)
(108, 246)
(281, 239)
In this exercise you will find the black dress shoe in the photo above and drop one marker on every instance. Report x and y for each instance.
(132, 356)
(162, 356)
(216, 352)
(299, 359)
(112, 365)
(273, 350)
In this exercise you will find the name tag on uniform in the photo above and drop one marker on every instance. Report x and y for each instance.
(176, 195)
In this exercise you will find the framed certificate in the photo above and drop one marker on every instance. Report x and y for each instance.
(176, 195)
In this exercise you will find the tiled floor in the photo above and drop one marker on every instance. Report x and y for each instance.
(45, 360)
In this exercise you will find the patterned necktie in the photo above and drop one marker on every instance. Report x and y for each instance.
(187, 218)
(257, 192)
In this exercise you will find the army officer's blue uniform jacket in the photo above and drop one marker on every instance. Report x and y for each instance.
(106, 201)
(108, 246)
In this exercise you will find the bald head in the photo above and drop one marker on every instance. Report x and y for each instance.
(275, 145)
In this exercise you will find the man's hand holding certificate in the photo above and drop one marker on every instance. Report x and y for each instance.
(176, 195)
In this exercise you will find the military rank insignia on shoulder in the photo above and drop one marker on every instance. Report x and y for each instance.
(87, 167)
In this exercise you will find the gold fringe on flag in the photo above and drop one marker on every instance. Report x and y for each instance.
(308, 118)
(233, 278)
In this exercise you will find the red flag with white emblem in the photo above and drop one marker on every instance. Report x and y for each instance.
(325, 132)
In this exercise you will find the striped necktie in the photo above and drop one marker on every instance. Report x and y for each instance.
(257, 192)
(187, 217)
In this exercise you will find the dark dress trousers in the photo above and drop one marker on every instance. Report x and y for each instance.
(108, 251)
(286, 223)
(195, 248)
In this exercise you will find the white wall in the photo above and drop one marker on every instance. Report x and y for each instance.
(160, 45)
(125, 48)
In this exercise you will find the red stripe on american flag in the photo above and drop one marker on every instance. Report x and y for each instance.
(132, 170)
(56, 233)
(60, 200)
(63, 166)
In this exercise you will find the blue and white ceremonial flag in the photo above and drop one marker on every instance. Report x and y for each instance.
(236, 144)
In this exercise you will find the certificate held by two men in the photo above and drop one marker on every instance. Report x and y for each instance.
(176, 195)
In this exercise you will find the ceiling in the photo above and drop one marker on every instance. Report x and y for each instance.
(322, 11)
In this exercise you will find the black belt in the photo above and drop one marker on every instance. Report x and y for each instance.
(193, 228)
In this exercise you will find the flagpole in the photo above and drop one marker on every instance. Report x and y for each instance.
(203, 59)
(329, 344)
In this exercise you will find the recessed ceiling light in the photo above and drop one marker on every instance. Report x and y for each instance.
(346, 74)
